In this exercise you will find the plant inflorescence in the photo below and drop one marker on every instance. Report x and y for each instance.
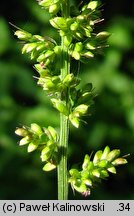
(79, 42)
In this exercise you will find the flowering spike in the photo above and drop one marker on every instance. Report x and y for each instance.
(52, 62)
(93, 171)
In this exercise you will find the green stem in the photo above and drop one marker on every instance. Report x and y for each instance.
(64, 123)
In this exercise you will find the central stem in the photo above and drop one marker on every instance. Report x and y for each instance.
(64, 123)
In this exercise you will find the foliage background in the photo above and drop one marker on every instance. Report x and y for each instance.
(23, 102)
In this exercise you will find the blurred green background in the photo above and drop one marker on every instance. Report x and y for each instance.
(22, 102)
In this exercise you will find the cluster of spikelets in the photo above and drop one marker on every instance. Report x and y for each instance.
(43, 139)
(82, 43)
(103, 163)
(80, 99)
